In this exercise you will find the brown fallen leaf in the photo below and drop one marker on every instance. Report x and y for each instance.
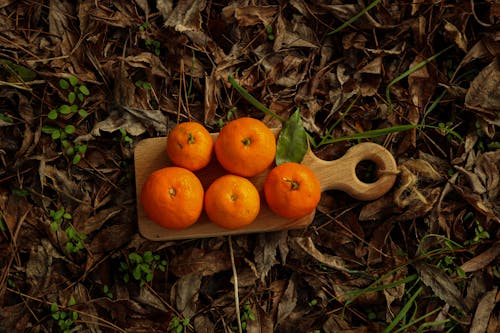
(185, 293)
(287, 302)
(207, 262)
(484, 311)
(203, 324)
(263, 322)
(483, 94)
(307, 244)
(441, 284)
(265, 251)
(482, 260)
(186, 16)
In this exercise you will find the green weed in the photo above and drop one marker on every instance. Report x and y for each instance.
(141, 267)
(58, 216)
(178, 326)
(75, 242)
(143, 84)
(65, 319)
(74, 150)
(107, 291)
(76, 96)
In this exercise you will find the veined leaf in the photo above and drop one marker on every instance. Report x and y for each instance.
(292, 140)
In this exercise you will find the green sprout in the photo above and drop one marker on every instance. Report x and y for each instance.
(107, 291)
(178, 326)
(75, 242)
(76, 92)
(141, 268)
(65, 319)
(58, 216)
(143, 84)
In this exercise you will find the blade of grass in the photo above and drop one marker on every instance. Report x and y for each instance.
(409, 72)
(403, 312)
(355, 17)
(253, 100)
(373, 287)
(372, 133)
(415, 321)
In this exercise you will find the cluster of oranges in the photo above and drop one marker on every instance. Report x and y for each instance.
(174, 197)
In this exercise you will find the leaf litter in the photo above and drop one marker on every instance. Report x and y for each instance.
(349, 68)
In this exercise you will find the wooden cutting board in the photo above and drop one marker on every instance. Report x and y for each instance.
(340, 174)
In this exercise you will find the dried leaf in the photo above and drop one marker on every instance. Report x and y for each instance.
(265, 252)
(186, 293)
(203, 324)
(288, 35)
(483, 312)
(483, 94)
(482, 260)
(186, 16)
(307, 244)
(287, 302)
(452, 32)
(206, 262)
(441, 284)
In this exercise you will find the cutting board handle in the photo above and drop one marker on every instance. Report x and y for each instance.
(341, 175)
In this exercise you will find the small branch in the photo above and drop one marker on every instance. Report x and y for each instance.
(235, 276)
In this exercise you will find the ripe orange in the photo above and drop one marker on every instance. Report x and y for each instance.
(232, 202)
(245, 147)
(292, 190)
(172, 197)
(190, 145)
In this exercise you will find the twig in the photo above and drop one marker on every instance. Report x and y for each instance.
(235, 277)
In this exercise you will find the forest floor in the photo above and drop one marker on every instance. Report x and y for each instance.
(82, 82)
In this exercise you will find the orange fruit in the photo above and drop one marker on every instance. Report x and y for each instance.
(232, 202)
(172, 197)
(190, 145)
(292, 190)
(245, 147)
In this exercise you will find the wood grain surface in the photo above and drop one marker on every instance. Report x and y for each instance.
(150, 155)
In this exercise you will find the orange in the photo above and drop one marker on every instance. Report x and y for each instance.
(232, 202)
(190, 145)
(292, 190)
(172, 197)
(245, 147)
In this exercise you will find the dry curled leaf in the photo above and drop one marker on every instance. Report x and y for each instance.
(441, 284)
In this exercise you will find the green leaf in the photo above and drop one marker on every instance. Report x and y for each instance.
(69, 129)
(82, 113)
(80, 97)
(52, 114)
(48, 129)
(292, 141)
(24, 73)
(84, 90)
(67, 216)
(63, 84)
(82, 148)
(148, 256)
(71, 97)
(75, 315)
(54, 226)
(56, 134)
(136, 273)
(5, 118)
(72, 301)
(65, 109)
(70, 151)
(70, 247)
(73, 80)
(54, 308)
(65, 143)
(76, 159)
